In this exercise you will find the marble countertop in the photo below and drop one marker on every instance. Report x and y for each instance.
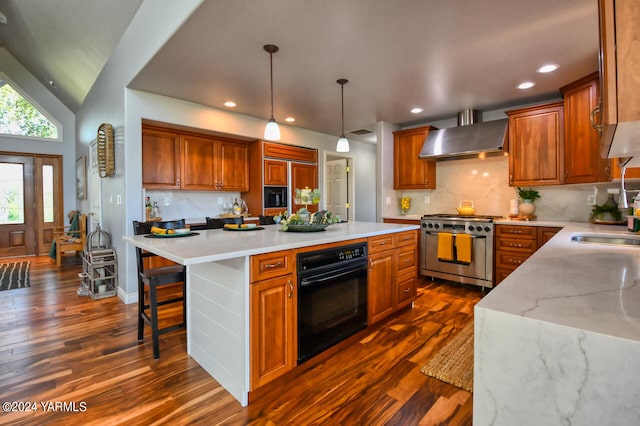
(587, 286)
(546, 222)
(218, 244)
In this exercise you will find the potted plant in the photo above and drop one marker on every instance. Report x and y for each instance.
(528, 196)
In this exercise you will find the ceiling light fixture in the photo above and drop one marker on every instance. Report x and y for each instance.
(343, 143)
(416, 110)
(271, 130)
(230, 104)
(289, 119)
(548, 68)
(526, 85)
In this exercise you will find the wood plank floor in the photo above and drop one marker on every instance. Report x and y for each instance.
(60, 348)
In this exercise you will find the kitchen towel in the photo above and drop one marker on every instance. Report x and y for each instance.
(445, 246)
(463, 248)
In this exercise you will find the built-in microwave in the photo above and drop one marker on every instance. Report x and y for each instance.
(275, 196)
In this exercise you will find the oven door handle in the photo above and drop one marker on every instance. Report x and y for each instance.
(435, 234)
(332, 275)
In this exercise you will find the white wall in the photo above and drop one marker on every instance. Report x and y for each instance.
(66, 147)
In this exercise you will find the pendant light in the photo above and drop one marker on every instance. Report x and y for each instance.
(343, 143)
(271, 130)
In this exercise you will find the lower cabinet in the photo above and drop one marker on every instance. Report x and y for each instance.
(515, 244)
(272, 317)
(393, 269)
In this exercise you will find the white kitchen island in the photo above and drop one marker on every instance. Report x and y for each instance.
(218, 309)
(558, 341)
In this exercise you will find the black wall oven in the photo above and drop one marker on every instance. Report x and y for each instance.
(275, 196)
(332, 297)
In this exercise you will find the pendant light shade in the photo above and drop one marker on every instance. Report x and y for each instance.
(343, 143)
(271, 130)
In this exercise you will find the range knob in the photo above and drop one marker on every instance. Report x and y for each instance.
(436, 226)
(487, 229)
(471, 228)
(424, 225)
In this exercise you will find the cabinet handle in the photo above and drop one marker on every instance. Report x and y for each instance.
(273, 265)
(515, 245)
(407, 290)
(371, 264)
(595, 111)
(178, 183)
(290, 295)
(511, 179)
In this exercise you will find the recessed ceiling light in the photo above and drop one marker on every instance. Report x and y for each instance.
(416, 110)
(230, 104)
(548, 68)
(526, 85)
(289, 119)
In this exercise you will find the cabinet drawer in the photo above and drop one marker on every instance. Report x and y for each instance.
(407, 238)
(517, 245)
(407, 259)
(271, 265)
(406, 289)
(501, 274)
(517, 231)
(381, 243)
(510, 260)
(288, 152)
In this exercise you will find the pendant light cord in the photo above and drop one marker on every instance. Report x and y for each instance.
(271, 69)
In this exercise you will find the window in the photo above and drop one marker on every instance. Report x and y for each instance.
(19, 116)
(11, 194)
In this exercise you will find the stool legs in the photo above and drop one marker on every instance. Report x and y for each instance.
(140, 310)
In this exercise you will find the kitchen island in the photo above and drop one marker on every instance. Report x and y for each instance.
(558, 341)
(218, 277)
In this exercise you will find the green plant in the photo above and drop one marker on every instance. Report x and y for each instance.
(600, 211)
(528, 194)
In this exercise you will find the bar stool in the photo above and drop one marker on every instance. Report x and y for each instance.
(215, 223)
(154, 278)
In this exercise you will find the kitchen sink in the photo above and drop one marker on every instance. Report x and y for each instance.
(618, 240)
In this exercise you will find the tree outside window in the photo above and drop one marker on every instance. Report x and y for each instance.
(20, 117)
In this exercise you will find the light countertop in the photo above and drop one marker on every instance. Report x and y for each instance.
(218, 244)
(592, 287)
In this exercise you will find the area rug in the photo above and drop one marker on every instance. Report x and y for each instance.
(14, 275)
(453, 364)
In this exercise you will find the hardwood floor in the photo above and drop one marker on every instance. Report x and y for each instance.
(59, 348)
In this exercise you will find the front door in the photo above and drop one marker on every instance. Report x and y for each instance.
(17, 213)
(30, 203)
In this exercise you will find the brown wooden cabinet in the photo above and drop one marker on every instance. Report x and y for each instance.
(276, 164)
(303, 175)
(410, 171)
(536, 145)
(276, 172)
(619, 64)
(515, 244)
(160, 159)
(173, 159)
(583, 162)
(272, 318)
(392, 277)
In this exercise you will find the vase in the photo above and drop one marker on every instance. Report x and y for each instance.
(527, 208)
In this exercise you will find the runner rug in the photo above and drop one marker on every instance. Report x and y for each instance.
(453, 364)
(14, 275)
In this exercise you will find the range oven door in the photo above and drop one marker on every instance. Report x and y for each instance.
(478, 269)
(332, 305)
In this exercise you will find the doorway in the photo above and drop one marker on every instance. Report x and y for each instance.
(30, 203)
(337, 170)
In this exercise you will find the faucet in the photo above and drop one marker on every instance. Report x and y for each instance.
(622, 162)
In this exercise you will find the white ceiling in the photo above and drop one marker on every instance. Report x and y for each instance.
(444, 56)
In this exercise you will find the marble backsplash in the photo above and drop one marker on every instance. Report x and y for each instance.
(485, 182)
(192, 204)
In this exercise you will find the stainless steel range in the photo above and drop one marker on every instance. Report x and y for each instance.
(458, 248)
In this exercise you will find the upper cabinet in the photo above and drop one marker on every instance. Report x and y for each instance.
(410, 171)
(160, 159)
(181, 160)
(536, 145)
(619, 65)
(582, 160)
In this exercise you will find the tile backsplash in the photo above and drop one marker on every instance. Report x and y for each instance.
(485, 182)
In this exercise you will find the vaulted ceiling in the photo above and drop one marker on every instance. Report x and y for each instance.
(442, 56)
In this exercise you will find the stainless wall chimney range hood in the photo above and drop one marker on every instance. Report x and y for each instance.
(470, 138)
